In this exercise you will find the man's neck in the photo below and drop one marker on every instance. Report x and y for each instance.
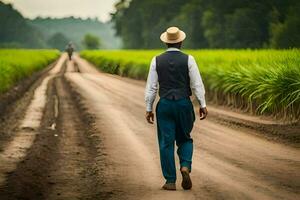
(173, 49)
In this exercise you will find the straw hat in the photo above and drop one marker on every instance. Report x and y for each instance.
(172, 35)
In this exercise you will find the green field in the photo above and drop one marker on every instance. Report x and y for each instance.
(258, 81)
(18, 64)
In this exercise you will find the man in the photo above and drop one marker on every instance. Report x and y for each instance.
(69, 50)
(176, 74)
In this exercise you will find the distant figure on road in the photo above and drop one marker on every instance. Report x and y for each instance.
(70, 49)
(176, 73)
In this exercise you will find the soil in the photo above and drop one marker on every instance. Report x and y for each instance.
(14, 103)
(94, 143)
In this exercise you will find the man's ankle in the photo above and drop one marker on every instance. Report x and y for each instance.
(185, 169)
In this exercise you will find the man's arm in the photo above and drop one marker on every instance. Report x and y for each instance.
(197, 86)
(151, 90)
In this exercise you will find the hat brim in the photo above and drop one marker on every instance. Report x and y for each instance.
(163, 37)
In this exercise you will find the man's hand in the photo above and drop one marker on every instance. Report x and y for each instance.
(203, 113)
(150, 117)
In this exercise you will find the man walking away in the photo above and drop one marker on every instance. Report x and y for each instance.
(70, 50)
(176, 74)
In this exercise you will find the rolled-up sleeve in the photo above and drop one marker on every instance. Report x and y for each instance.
(196, 82)
(152, 86)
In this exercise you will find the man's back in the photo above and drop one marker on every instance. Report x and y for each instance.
(173, 75)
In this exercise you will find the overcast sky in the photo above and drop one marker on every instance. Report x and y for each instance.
(63, 8)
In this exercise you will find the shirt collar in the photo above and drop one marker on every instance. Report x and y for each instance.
(173, 49)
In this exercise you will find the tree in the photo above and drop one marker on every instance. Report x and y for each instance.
(190, 21)
(208, 23)
(286, 34)
(58, 41)
(91, 41)
(15, 31)
(138, 22)
(213, 29)
(242, 30)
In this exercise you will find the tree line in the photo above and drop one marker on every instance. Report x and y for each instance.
(19, 32)
(210, 23)
(14, 30)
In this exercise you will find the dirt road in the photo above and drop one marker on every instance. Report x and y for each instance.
(83, 136)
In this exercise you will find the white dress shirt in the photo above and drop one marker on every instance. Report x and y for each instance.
(196, 83)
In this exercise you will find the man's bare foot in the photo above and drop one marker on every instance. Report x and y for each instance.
(169, 186)
(186, 179)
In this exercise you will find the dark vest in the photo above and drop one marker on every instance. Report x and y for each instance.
(173, 75)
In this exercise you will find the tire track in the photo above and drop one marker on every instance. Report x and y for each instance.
(75, 174)
(29, 179)
(63, 160)
(15, 150)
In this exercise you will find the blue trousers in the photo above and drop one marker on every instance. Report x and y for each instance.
(175, 119)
